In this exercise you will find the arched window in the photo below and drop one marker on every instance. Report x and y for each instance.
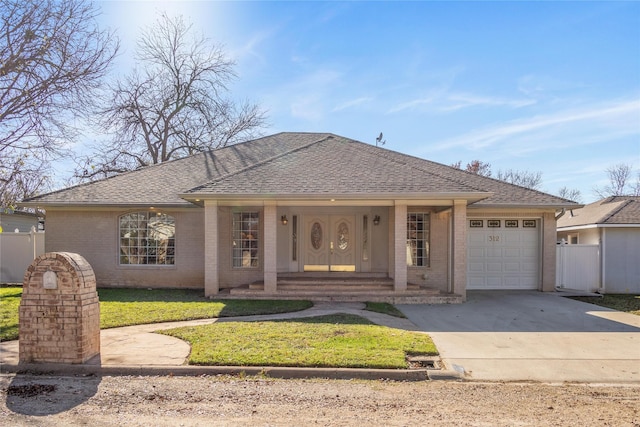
(147, 238)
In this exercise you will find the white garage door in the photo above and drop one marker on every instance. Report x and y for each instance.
(503, 254)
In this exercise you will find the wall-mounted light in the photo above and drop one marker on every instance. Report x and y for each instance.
(376, 220)
(284, 220)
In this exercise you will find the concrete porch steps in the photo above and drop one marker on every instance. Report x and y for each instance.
(343, 289)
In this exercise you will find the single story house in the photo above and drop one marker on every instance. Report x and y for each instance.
(613, 224)
(300, 214)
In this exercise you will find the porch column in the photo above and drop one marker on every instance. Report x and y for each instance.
(211, 281)
(549, 238)
(400, 247)
(270, 247)
(459, 250)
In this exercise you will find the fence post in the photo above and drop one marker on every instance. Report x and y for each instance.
(34, 247)
(562, 246)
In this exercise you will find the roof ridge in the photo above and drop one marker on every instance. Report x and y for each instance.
(264, 161)
(383, 152)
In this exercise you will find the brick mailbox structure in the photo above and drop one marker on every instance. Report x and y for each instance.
(59, 311)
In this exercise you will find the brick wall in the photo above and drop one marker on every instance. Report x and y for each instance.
(94, 235)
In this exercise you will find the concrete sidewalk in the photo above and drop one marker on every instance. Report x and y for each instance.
(137, 349)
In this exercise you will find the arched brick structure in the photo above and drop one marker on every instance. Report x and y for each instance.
(59, 310)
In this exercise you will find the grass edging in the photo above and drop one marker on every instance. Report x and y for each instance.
(384, 308)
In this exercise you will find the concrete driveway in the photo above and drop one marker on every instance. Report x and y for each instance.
(532, 336)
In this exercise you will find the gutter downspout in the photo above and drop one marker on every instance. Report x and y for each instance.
(562, 212)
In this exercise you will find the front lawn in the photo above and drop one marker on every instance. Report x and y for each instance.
(9, 304)
(384, 308)
(626, 303)
(339, 340)
(124, 307)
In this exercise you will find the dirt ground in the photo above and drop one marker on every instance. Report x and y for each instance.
(232, 401)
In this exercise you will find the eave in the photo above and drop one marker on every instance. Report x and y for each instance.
(331, 199)
(590, 226)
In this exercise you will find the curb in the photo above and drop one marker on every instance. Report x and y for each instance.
(266, 371)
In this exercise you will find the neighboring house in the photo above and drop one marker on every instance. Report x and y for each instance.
(12, 220)
(316, 208)
(613, 224)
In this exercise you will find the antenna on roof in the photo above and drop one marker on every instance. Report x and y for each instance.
(379, 140)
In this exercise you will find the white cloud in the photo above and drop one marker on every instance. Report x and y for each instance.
(593, 123)
(443, 102)
(411, 105)
(459, 101)
(353, 103)
(252, 46)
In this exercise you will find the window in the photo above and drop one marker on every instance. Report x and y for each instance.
(147, 238)
(418, 239)
(245, 239)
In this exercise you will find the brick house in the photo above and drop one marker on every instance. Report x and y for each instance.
(308, 215)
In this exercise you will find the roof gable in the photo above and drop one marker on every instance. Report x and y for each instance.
(611, 210)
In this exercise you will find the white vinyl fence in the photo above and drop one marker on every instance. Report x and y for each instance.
(17, 252)
(578, 267)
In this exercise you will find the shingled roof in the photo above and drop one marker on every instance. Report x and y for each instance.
(614, 210)
(296, 165)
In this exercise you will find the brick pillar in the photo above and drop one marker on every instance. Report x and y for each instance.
(400, 247)
(59, 311)
(549, 237)
(211, 280)
(459, 250)
(270, 248)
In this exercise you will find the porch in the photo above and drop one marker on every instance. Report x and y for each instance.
(341, 287)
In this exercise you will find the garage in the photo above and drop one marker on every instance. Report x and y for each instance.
(503, 253)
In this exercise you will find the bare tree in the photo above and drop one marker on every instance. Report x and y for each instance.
(619, 182)
(570, 194)
(172, 105)
(526, 179)
(532, 180)
(475, 166)
(52, 58)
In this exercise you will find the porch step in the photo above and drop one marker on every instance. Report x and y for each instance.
(419, 296)
(345, 291)
(337, 284)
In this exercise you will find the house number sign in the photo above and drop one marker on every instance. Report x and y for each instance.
(494, 238)
(50, 280)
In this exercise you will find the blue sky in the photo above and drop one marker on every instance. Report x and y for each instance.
(538, 86)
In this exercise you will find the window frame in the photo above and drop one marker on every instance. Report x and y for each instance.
(252, 244)
(425, 218)
(169, 249)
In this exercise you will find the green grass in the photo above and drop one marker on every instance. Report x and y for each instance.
(327, 341)
(384, 308)
(124, 307)
(626, 303)
(9, 304)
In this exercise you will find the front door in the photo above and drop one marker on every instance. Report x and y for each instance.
(330, 243)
